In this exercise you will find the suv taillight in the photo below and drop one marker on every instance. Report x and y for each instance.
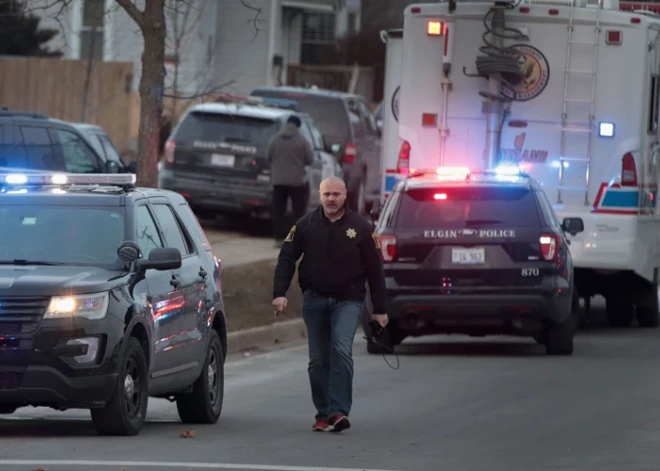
(349, 153)
(168, 154)
(403, 164)
(628, 170)
(549, 246)
(387, 247)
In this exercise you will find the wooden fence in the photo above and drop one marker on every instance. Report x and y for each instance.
(56, 87)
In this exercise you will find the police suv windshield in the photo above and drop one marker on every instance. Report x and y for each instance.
(80, 235)
(461, 207)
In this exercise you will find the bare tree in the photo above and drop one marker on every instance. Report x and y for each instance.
(152, 24)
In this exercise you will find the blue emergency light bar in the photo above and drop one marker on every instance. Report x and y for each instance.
(67, 179)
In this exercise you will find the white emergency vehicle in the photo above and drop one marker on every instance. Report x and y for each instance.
(567, 89)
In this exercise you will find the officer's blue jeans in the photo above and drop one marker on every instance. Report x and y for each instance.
(331, 327)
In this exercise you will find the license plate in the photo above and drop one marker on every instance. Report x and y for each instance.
(222, 160)
(468, 256)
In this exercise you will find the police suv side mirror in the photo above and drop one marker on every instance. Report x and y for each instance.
(111, 166)
(572, 225)
(160, 259)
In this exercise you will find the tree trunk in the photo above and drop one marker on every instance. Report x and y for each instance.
(152, 82)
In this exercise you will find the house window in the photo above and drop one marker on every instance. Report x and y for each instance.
(91, 33)
(317, 35)
(352, 23)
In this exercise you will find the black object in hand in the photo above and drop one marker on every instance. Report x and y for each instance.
(376, 329)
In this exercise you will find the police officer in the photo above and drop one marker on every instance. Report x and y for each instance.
(340, 254)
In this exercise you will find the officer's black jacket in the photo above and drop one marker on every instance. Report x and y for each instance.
(338, 258)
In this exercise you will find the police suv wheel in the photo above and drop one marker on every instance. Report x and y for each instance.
(558, 339)
(204, 404)
(126, 411)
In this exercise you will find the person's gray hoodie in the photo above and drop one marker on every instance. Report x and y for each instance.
(288, 153)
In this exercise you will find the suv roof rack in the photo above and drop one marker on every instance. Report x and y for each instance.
(19, 180)
(6, 112)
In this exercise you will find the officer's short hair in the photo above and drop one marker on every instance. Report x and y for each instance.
(295, 120)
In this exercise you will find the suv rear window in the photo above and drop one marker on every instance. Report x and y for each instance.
(329, 113)
(467, 207)
(216, 127)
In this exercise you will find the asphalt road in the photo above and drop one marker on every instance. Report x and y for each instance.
(455, 404)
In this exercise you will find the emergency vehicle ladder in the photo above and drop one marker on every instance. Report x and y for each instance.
(585, 129)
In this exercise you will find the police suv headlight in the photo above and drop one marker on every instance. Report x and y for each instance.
(88, 306)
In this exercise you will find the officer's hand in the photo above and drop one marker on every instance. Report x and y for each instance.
(280, 305)
(380, 318)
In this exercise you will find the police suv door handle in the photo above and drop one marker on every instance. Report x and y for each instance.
(175, 281)
(202, 272)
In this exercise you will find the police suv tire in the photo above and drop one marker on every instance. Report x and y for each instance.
(7, 409)
(114, 418)
(198, 407)
(559, 337)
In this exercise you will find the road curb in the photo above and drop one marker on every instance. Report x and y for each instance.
(266, 336)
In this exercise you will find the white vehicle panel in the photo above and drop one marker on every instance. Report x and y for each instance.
(621, 223)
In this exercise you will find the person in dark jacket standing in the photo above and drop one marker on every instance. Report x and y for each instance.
(341, 253)
(288, 154)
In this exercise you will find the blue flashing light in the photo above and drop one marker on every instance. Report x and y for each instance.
(508, 169)
(606, 129)
(16, 179)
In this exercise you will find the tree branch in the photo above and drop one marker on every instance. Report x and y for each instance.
(133, 12)
(254, 20)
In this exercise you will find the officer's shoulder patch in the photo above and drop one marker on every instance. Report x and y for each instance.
(291, 234)
(374, 236)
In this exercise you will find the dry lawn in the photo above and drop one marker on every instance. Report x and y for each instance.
(248, 294)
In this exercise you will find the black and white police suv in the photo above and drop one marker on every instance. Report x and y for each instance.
(109, 295)
(477, 253)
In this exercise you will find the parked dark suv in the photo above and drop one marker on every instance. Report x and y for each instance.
(110, 295)
(350, 131)
(33, 141)
(217, 157)
(477, 253)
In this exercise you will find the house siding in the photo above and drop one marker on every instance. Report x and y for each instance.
(241, 46)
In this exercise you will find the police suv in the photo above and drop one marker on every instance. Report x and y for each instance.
(477, 252)
(109, 295)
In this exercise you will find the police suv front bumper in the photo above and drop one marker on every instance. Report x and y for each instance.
(63, 364)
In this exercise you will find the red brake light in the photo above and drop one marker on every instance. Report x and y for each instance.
(549, 245)
(440, 196)
(349, 153)
(403, 164)
(387, 247)
(628, 170)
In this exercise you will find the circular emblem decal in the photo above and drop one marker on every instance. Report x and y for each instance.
(395, 103)
(536, 73)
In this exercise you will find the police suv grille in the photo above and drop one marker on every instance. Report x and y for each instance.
(10, 379)
(21, 315)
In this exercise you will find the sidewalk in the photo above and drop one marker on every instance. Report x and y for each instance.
(244, 250)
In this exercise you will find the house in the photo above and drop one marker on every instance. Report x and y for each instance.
(213, 45)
